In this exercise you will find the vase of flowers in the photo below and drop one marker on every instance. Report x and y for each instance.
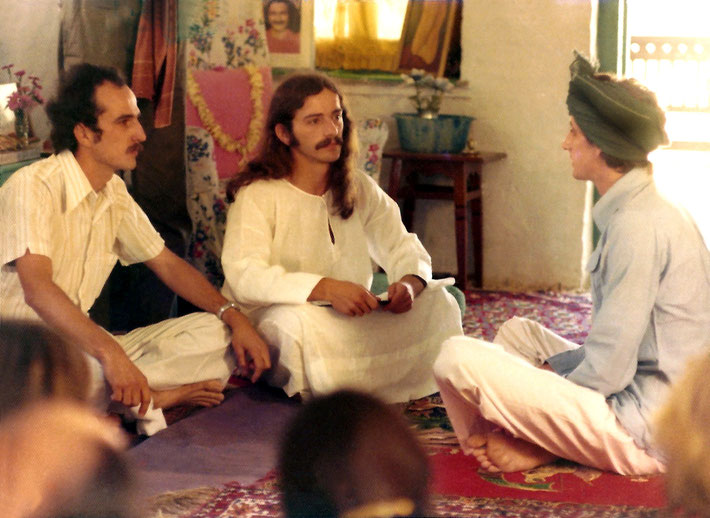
(428, 92)
(427, 131)
(22, 100)
(22, 127)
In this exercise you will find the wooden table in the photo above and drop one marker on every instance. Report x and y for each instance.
(465, 171)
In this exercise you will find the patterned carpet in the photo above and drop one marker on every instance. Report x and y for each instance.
(262, 499)
(458, 489)
(567, 314)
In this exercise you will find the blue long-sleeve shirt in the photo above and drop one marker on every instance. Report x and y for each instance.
(650, 275)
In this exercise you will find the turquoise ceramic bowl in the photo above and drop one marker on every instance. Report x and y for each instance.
(445, 134)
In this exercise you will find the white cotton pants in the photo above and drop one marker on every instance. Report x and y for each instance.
(171, 353)
(316, 350)
(486, 386)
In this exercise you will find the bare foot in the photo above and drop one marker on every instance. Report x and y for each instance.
(203, 393)
(498, 452)
(476, 440)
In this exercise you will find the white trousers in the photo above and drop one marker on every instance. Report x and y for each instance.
(316, 350)
(172, 353)
(486, 386)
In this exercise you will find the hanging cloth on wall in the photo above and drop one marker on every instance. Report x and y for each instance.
(156, 56)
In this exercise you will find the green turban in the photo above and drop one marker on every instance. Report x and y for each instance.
(611, 117)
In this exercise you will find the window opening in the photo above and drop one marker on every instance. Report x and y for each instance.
(669, 52)
(364, 35)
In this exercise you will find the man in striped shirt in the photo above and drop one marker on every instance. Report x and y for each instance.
(68, 219)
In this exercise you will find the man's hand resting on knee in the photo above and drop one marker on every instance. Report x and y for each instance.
(251, 351)
(346, 297)
(128, 384)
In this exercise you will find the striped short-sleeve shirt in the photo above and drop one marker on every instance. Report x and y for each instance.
(50, 209)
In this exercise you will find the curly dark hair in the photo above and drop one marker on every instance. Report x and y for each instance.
(75, 103)
(274, 159)
(294, 16)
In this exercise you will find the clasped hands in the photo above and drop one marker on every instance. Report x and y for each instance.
(353, 299)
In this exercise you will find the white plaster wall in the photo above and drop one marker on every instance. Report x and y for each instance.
(516, 55)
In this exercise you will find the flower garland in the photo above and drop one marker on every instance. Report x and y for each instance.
(226, 141)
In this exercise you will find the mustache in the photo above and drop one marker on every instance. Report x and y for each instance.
(328, 142)
(136, 147)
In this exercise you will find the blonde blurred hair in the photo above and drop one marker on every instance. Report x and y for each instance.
(683, 433)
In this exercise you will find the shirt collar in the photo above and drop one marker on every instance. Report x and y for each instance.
(77, 185)
(618, 194)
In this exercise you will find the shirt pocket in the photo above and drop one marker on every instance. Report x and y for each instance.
(594, 266)
(594, 260)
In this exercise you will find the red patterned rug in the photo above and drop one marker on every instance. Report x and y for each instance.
(262, 499)
(562, 489)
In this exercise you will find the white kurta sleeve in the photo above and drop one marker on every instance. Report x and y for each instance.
(397, 251)
(250, 276)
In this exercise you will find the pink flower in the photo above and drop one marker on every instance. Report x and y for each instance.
(26, 96)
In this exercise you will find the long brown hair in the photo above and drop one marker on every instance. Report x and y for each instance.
(274, 159)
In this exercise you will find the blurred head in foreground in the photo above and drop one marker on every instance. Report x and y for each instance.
(59, 459)
(348, 454)
(35, 363)
(683, 433)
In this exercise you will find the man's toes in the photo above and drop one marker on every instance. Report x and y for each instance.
(213, 386)
(207, 400)
(216, 398)
(476, 440)
(209, 403)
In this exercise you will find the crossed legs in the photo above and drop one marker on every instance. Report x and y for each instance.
(513, 416)
(187, 360)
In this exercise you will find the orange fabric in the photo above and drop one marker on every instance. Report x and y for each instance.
(156, 57)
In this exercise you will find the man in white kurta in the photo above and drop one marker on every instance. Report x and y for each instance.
(68, 219)
(285, 239)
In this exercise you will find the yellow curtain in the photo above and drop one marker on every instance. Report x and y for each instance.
(355, 44)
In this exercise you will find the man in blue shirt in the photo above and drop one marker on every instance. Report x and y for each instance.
(532, 396)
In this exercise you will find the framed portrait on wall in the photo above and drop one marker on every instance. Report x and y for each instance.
(289, 33)
(426, 35)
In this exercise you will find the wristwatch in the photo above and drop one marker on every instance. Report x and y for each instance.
(224, 307)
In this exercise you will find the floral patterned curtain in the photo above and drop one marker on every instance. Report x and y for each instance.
(228, 89)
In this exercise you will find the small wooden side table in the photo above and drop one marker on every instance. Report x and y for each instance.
(465, 171)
